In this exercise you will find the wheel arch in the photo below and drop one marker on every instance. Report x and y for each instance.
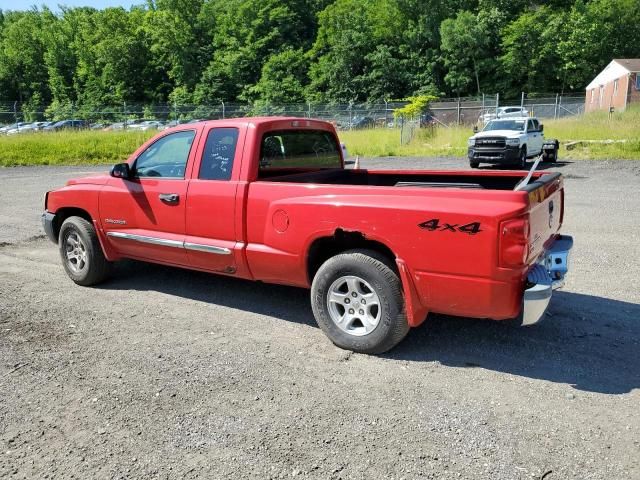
(325, 247)
(65, 212)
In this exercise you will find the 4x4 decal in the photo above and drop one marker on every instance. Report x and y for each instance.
(434, 225)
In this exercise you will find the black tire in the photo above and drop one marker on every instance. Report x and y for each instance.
(378, 274)
(474, 164)
(522, 158)
(556, 151)
(78, 238)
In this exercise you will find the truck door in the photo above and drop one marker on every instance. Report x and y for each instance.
(214, 215)
(535, 137)
(144, 216)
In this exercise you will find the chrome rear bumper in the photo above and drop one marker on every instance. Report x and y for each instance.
(546, 276)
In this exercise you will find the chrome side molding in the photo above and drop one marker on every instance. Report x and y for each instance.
(207, 248)
(144, 239)
(164, 242)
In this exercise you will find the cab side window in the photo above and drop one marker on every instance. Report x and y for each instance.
(530, 126)
(218, 155)
(167, 157)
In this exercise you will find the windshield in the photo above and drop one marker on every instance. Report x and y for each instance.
(517, 125)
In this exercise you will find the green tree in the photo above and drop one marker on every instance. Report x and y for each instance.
(22, 67)
(530, 46)
(245, 35)
(594, 34)
(177, 38)
(282, 79)
(349, 33)
(462, 46)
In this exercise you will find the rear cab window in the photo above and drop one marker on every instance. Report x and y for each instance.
(219, 153)
(289, 151)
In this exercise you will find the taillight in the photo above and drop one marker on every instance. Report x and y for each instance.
(514, 242)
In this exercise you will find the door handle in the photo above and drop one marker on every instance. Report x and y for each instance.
(169, 197)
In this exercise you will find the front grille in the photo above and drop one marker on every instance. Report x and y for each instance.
(491, 142)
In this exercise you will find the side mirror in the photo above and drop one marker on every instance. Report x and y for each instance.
(541, 127)
(120, 170)
(475, 129)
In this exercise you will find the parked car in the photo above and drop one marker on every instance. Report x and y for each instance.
(67, 124)
(510, 141)
(362, 122)
(28, 127)
(147, 125)
(427, 120)
(269, 199)
(171, 124)
(503, 112)
(12, 126)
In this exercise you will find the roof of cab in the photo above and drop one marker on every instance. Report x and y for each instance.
(261, 120)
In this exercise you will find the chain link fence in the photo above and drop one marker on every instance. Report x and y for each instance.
(379, 114)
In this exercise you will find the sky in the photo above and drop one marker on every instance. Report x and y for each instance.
(53, 4)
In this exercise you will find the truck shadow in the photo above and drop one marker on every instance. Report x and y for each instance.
(541, 166)
(585, 341)
(588, 342)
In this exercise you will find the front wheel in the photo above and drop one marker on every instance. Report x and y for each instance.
(357, 301)
(81, 253)
(522, 159)
(474, 164)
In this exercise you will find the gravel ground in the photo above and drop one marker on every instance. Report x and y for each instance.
(176, 374)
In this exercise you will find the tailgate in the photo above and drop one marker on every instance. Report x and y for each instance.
(546, 209)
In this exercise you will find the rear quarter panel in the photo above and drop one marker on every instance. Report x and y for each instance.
(453, 271)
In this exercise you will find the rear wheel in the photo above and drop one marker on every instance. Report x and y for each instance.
(81, 253)
(556, 150)
(357, 301)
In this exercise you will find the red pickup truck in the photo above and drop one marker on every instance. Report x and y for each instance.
(269, 199)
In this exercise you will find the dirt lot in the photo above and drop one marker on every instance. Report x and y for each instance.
(175, 374)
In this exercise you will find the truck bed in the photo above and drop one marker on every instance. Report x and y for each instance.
(402, 179)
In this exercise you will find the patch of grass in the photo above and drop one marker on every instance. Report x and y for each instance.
(97, 147)
(385, 142)
(69, 147)
(452, 141)
(599, 126)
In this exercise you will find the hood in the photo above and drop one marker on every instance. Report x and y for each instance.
(498, 133)
(91, 180)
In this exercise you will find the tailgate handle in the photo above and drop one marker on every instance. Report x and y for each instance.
(169, 197)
